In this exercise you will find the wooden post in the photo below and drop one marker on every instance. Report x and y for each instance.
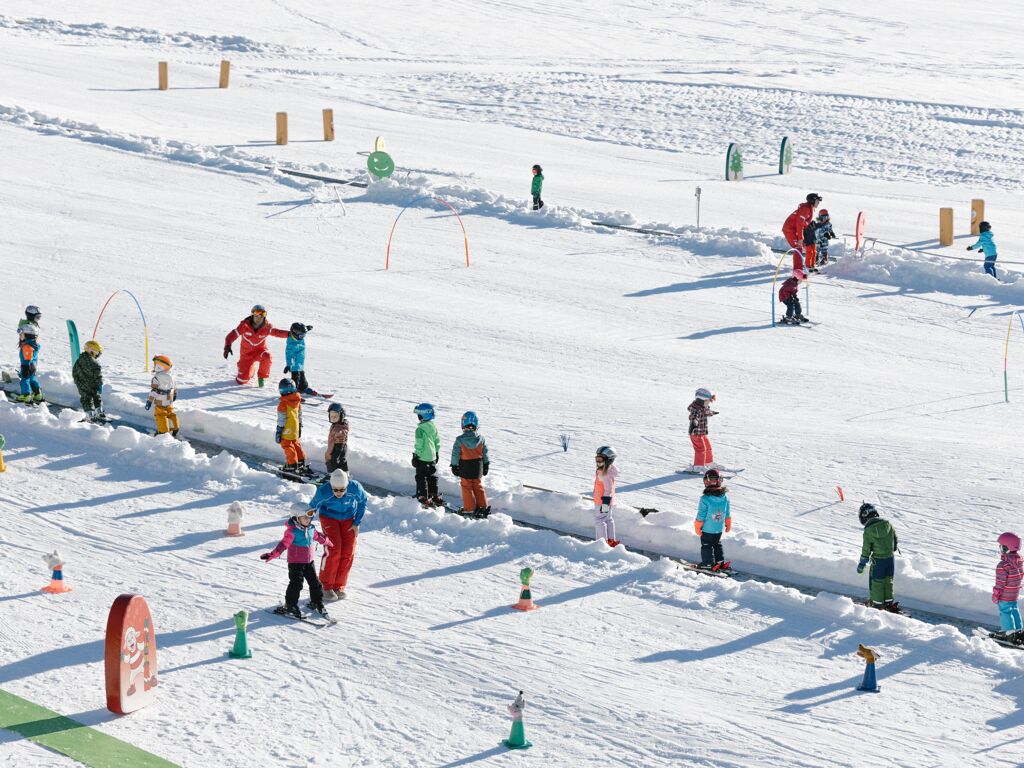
(977, 215)
(945, 226)
(162, 71)
(225, 73)
(282, 127)
(328, 125)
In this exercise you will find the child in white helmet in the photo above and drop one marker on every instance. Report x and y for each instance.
(604, 494)
(699, 412)
(162, 394)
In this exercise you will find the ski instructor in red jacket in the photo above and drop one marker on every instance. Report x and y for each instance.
(796, 225)
(254, 330)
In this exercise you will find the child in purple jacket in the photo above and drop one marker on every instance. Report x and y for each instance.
(299, 535)
(1009, 574)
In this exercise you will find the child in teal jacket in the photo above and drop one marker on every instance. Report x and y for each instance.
(987, 245)
(535, 187)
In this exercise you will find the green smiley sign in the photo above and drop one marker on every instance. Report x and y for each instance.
(380, 164)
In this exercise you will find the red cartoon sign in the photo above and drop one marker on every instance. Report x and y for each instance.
(130, 655)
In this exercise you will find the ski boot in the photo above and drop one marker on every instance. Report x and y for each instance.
(481, 513)
(322, 611)
(787, 321)
(290, 469)
(613, 543)
(174, 433)
(26, 399)
(437, 500)
(289, 610)
(302, 468)
(38, 398)
(424, 501)
(261, 382)
(722, 567)
(802, 319)
(891, 606)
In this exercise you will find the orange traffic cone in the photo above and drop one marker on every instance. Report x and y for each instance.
(56, 563)
(525, 597)
(235, 512)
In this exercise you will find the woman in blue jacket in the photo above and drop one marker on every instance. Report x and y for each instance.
(987, 246)
(341, 503)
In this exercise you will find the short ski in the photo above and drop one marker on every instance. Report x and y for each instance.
(696, 568)
(317, 478)
(1004, 641)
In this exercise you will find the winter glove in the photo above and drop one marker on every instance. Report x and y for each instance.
(487, 468)
(415, 460)
(277, 434)
(287, 369)
(455, 470)
(698, 526)
(995, 596)
(309, 327)
(227, 352)
(606, 509)
(728, 524)
(149, 404)
(860, 566)
(606, 501)
(174, 396)
(265, 557)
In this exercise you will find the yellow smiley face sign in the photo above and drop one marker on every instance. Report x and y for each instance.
(380, 164)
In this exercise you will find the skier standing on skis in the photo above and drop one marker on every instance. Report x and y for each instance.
(254, 331)
(341, 504)
(700, 411)
(604, 494)
(823, 232)
(470, 463)
(88, 378)
(713, 518)
(295, 358)
(299, 535)
(289, 429)
(988, 246)
(162, 394)
(535, 187)
(337, 439)
(879, 548)
(789, 294)
(796, 225)
(1006, 591)
(424, 456)
(28, 357)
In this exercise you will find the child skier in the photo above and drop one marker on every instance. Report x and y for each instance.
(789, 294)
(604, 495)
(299, 535)
(535, 187)
(823, 232)
(880, 545)
(470, 462)
(713, 518)
(700, 411)
(341, 504)
(289, 429)
(424, 457)
(28, 357)
(295, 357)
(987, 246)
(337, 439)
(89, 380)
(1009, 573)
(162, 393)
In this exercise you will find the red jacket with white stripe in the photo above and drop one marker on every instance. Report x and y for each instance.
(253, 338)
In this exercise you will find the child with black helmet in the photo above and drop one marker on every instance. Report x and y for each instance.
(988, 246)
(604, 494)
(823, 232)
(337, 439)
(295, 357)
(289, 429)
(713, 519)
(879, 547)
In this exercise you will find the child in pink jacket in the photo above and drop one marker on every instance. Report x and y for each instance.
(1009, 574)
(299, 535)
(604, 495)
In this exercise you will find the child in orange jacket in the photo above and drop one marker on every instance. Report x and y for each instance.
(289, 429)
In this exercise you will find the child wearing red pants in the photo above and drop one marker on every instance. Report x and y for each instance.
(470, 463)
(289, 429)
(700, 411)
(341, 504)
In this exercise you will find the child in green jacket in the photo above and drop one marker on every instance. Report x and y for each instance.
(424, 458)
(880, 544)
(535, 187)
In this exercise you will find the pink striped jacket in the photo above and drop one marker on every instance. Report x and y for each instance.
(1009, 573)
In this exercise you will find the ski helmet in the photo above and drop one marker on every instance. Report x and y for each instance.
(339, 479)
(94, 346)
(799, 274)
(29, 329)
(258, 309)
(823, 213)
(469, 419)
(712, 479)
(1009, 542)
(298, 330)
(984, 227)
(163, 361)
(538, 169)
(704, 394)
(32, 313)
(814, 198)
(425, 411)
(286, 386)
(866, 512)
(335, 409)
(607, 453)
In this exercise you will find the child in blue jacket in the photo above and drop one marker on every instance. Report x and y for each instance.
(713, 518)
(987, 246)
(295, 357)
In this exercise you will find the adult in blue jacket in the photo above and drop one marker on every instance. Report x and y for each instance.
(341, 504)
(988, 246)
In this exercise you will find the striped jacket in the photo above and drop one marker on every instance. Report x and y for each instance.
(700, 412)
(1009, 573)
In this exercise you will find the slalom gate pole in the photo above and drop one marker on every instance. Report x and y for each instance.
(1006, 353)
(145, 325)
(775, 279)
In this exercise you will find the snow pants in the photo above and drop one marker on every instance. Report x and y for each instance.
(166, 418)
(297, 573)
(711, 549)
(338, 459)
(29, 382)
(702, 455)
(880, 580)
(426, 479)
(537, 203)
(811, 252)
(473, 496)
(90, 400)
(1009, 616)
(604, 524)
(301, 385)
(793, 308)
(293, 453)
(990, 266)
(339, 558)
(249, 359)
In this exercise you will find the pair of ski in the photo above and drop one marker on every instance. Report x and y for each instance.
(314, 619)
(722, 573)
(461, 512)
(725, 472)
(1004, 641)
(317, 478)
